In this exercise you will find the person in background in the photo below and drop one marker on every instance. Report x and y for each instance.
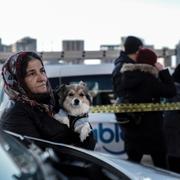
(145, 81)
(132, 45)
(27, 85)
(172, 128)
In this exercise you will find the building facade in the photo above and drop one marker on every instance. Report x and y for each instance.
(24, 44)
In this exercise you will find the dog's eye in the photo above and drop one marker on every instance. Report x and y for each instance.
(71, 94)
(81, 94)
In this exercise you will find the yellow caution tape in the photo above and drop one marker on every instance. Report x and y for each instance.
(133, 107)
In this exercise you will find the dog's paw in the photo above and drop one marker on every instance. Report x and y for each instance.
(83, 131)
(62, 120)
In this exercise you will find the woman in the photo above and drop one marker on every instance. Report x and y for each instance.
(145, 82)
(27, 85)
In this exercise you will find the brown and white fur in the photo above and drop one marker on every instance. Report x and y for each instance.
(74, 101)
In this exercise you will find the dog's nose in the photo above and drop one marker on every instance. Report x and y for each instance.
(76, 102)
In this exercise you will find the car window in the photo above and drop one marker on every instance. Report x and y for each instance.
(8, 168)
(24, 164)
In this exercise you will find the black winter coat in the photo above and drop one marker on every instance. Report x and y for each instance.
(172, 127)
(26, 120)
(141, 83)
(116, 75)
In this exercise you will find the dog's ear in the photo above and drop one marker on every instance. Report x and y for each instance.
(88, 95)
(61, 93)
(81, 83)
(59, 89)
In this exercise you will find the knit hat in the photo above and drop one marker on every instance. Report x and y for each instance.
(146, 56)
(132, 44)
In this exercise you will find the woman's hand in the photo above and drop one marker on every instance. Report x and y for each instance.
(159, 66)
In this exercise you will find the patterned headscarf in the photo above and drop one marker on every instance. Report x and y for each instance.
(13, 81)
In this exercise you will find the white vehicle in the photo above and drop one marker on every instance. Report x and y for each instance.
(99, 80)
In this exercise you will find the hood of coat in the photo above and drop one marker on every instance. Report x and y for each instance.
(146, 68)
(135, 74)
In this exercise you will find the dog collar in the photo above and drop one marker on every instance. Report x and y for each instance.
(73, 119)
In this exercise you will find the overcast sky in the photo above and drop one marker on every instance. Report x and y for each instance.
(95, 21)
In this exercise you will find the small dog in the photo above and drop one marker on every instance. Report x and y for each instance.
(74, 102)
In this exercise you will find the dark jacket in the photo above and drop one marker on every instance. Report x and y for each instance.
(172, 127)
(116, 75)
(141, 83)
(23, 119)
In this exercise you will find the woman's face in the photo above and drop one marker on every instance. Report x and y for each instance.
(36, 79)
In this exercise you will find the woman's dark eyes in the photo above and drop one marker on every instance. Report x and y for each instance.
(32, 73)
(43, 70)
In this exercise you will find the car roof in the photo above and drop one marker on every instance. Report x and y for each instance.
(61, 70)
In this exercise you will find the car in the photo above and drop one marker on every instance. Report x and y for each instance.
(98, 78)
(21, 158)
